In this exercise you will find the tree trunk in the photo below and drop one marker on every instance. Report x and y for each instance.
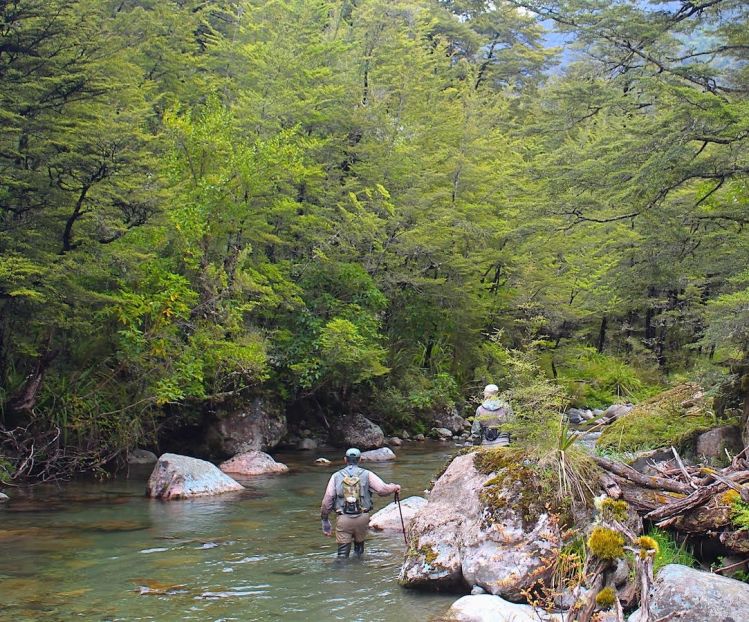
(602, 334)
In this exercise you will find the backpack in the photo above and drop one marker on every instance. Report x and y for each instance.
(491, 434)
(352, 494)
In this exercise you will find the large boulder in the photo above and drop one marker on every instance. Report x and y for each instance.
(388, 519)
(713, 444)
(689, 595)
(449, 419)
(252, 463)
(383, 454)
(181, 477)
(488, 608)
(357, 431)
(481, 528)
(258, 426)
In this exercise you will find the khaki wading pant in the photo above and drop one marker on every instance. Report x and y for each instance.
(351, 528)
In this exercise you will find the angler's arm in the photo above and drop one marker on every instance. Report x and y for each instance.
(380, 487)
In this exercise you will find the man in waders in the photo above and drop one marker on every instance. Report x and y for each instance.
(349, 493)
(490, 417)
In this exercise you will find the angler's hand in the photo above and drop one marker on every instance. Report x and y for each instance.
(327, 528)
(397, 490)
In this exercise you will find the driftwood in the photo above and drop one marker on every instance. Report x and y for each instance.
(691, 499)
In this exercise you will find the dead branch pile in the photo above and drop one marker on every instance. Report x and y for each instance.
(690, 499)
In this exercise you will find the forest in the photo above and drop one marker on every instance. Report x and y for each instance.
(370, 206)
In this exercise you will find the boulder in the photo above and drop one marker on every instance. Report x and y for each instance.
(615, 411)
(441, 433)
(388, 518)
(488, 608)
(689, 595)
(575, 416)
(357, 431)
(141, 456)
(307, 444)
(253, 463)
(469, 534)
(322, 461)
(450, 420)
(644, 460)
(259, 426)
(419, 437)
(4, 497)
(395, 441)
(714, 443)
(181, 477)
(383, 454)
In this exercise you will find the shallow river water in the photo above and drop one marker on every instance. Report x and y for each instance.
(102, 551)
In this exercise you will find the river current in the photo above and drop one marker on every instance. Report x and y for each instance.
(102, 551)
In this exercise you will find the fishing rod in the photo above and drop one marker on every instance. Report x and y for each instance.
(400, 511)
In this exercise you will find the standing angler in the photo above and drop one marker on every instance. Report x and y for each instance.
(349, 493)
(490, 418)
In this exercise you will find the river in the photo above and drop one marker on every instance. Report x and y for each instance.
(102, 551)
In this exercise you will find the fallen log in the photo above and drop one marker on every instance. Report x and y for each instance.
(650, 481)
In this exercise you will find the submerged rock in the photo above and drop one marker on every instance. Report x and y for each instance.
(383, 454)
(388, 518)
(253, 463)
(181, 477)
(690, 595)
(488, 608)
(357, 431)
(322, 461)
(4, 497)
(482, 529)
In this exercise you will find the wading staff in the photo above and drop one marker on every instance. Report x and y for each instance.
(398, 501)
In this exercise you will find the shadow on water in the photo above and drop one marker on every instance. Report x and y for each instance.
(102, 551)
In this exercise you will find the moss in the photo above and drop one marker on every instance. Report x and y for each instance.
(646, 544)
(673, 417)
(740, 513)
(515, 479)
(614, 509)
(606, 598)
(606, 543)
(729, 497)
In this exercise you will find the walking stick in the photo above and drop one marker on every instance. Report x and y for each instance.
(400, 511)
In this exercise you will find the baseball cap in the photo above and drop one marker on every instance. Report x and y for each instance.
(353, 453)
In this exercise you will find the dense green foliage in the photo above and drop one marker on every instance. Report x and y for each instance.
(361, 205)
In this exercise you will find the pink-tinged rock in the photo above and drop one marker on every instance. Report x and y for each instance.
(388, 519)
(456, 540)
(253, 463)
(383, 454)
(181, 477)
(488, 608)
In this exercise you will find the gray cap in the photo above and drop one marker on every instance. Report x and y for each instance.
(353, 453)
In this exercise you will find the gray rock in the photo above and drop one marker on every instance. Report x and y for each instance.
(405, 435)
(395, 441)
(453, 543)
(259, 426)
(615, 411)
(388, 518)
(322, 461)
(488, 608)
(476, 590)
(383, 454)
(4, 497)
(307, 444)
(450, 420)
(690, 595)
(357, 431)
(644, 460)
(181, 477)
(419, 437)
(441, 433)
(714, 443)
(575, 416)
(141, 456)
(253, 463)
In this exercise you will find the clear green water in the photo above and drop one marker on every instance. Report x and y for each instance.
(102, 551)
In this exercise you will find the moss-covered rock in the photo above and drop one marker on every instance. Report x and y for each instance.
(674, 417)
